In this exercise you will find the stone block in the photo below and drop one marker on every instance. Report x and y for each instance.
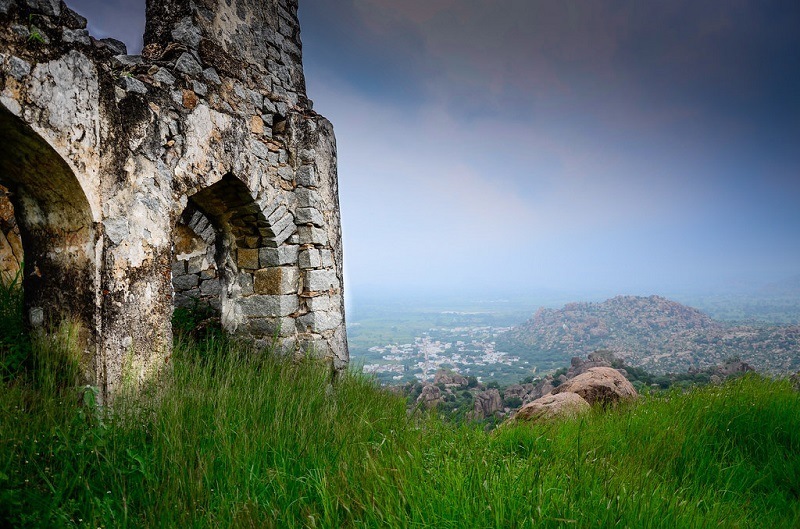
(309, 259)
(195, 264)
(178, 268)
(209, 235)
(265, 306)
(245, 282)
(282, 255)
(164, 76)
(117, 47)
(247, 258)
(259, 149)
(276, 280)
(126, 61)
(80, 36)
(256, 125)
(185, 300)
(312, 345)
(36, 316)
(187, 64)
(18, 68)
(286, 172)
(48, 7)
(284, 234)
(266, 327)
(211, 287)
(210, 75)
(312, 235)
(320, 280)
(199, 88)
(307, 155)
(276, 215)
(132, 84)
(308, 198)
(286, 221)
(73, 20)
(307, 176)
(186, 33)
(319, 321)
(309, 216)
(189, 99)
(320, 303)
(327, 258)
(185, 282)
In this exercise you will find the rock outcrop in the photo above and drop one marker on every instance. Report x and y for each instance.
(655, 334)
(554, 406)
(450, 379)
(579, 366)
(487, 403)
(430, 397)
(599, 385)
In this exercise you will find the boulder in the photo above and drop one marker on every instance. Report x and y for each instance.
(487, 403)
(450, 378)
(519, 391)
(599, 385)
(559, 406)
(732, 367)
(431, 396)
(579, 366)
(544, 387)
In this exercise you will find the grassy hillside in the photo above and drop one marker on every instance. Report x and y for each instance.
(232, 438)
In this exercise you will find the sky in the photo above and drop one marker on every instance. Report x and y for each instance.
(633, 147)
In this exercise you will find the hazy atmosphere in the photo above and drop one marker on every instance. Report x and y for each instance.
(633, 147)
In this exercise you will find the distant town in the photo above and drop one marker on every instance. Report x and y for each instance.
(468, 350)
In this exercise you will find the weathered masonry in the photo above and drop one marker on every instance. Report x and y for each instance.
(194, 172)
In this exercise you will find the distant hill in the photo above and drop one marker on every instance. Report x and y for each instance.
(654, 333)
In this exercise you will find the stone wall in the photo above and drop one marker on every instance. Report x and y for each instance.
(197, 168)
(194, 268)
(10, 241)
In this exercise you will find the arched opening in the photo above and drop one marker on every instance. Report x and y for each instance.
(53, 219)
(233, 260)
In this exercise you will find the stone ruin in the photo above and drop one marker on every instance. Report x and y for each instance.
(196, 172)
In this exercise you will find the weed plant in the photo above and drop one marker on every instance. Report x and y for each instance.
(237, 437)
(14, 343)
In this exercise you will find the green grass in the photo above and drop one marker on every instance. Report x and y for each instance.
(233, 437)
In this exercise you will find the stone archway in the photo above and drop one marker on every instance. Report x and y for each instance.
(57, 233)
(254, 280)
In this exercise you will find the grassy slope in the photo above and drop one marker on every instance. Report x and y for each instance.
(252, 441)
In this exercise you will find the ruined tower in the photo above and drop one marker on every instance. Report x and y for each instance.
(196, 171)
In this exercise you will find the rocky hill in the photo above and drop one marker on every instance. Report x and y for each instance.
(656, 334)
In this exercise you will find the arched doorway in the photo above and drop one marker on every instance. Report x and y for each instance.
(57, 235)
(252, 284)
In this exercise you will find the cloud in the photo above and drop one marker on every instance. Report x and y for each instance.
(423, 193)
